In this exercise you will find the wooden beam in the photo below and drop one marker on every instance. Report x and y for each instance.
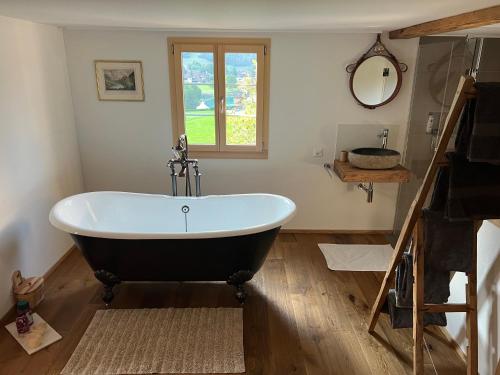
(469, 20)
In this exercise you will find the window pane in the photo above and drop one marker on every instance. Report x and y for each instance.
(198, 89)
(241, 98)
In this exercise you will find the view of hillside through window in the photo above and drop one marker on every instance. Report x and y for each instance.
(199, 97)
(240, 97)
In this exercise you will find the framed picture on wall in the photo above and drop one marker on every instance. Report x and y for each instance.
(119, 80)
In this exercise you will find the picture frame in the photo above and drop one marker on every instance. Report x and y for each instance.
(119, 80)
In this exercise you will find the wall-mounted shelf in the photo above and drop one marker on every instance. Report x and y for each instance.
(348, 173)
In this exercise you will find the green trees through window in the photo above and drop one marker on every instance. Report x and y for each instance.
(240, 97)
(199, 97)
(219, 93)
(241, 115)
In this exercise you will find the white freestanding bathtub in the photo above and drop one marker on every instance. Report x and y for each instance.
(150, 237)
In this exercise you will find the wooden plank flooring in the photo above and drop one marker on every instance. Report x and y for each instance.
(300, 317)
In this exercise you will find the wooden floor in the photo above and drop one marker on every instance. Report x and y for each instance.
(300, 318)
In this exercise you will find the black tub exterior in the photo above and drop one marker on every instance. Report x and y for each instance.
(232, 259)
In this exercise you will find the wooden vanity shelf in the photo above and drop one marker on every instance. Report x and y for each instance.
(349, 173)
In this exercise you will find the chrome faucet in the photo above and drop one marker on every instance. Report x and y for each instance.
(384, 135)
(368, 188)
(181, 157)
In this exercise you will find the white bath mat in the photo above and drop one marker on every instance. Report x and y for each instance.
(161, 341)
(357, 257)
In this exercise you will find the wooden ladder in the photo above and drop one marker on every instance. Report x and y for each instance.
(413, 227)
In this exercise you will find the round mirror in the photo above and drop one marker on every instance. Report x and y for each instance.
(375, 81)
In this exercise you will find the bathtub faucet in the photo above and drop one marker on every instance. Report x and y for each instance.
(181, 157)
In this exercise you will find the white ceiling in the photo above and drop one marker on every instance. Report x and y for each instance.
(244, 15)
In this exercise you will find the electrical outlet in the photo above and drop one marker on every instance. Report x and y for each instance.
(318, 153)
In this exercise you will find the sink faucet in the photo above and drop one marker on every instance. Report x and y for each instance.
(384, 135)
(368, 188)
(181, 157)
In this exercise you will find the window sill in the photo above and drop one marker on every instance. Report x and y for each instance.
(229, 154)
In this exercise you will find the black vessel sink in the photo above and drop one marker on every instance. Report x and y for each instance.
(374, 158)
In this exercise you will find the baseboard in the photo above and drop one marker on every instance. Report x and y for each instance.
(49, 272)
(336, 231)
(453, 343)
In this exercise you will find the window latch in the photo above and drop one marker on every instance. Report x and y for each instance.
(221, 105)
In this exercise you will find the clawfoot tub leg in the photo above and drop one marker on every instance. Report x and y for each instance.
(238, 279)
(109, 280)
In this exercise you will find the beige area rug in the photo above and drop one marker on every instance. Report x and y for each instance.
(152, 341)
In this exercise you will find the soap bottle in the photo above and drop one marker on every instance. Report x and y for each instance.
(24, 318)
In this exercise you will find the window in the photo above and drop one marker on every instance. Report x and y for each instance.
(219, 93)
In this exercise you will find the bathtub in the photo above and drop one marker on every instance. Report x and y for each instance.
(150, 237)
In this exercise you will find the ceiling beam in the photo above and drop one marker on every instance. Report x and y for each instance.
(469, 20)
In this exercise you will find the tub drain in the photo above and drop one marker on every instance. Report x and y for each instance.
(185, 210)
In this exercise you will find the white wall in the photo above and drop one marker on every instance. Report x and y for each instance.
(488, 287)
(125, 146)
(39, 161)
